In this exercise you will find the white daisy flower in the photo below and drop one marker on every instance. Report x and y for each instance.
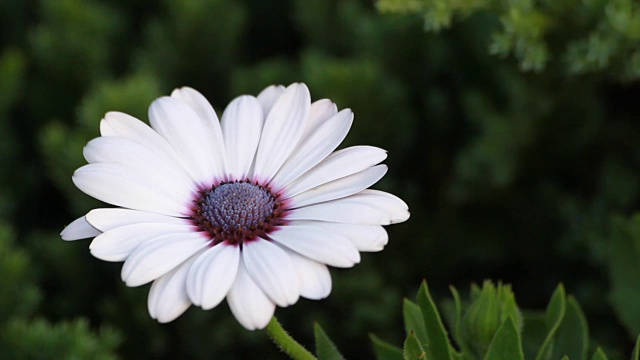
(252, 208)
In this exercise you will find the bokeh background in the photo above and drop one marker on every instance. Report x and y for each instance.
(512, 129)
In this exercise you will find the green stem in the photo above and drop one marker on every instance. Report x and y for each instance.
(286, 342)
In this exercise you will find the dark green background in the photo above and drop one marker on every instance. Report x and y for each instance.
(529, 178)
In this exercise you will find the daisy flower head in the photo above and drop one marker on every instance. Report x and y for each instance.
(253, 207)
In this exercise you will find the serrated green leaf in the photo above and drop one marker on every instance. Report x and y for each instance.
(384, 350)
(439, 347)
(506, 344)
(636, 350)
(553, 318)
(565, 358)
(325, 349)
(414, 322)
(599, 355)
(412, 348)
(572, 338)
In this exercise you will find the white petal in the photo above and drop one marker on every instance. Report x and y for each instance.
(337, 165)
(122, 186)
(272, 269)
(111, 218)
(369, 238)
(319, 244)
(155, 258)
(282, 130)
(118, 150)
(126, 126)
(314, 148)
(168, 296)
(268, 97)
(345, 210)
(242, 123)
(181, 126)
(208, 115)
(79, 229)
(320, 111)
(315, 279)
(396, 209)
(212, 275)
(340, 188)
(119, 243)
(248, 303)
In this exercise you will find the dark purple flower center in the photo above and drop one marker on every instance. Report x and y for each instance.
(237, 211)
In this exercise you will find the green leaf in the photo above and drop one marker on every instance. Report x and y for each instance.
(572, 338)
(412, 348)
(506, 344)
(636, 350)
(624, 270)
(484, 316)
(553, 318)
(457, 327)
(414, 322)
(475, 292)
(325, 349)
(599, 355)
(535, 331)
(439, 347)
(384, 350)
(510, 309)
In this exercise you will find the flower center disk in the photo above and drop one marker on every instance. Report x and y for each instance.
(237, 211)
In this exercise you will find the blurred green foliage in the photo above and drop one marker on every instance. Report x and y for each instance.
(530, 177)
(579, 36)
(22, 295)
(39, 339)
(25, 336)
